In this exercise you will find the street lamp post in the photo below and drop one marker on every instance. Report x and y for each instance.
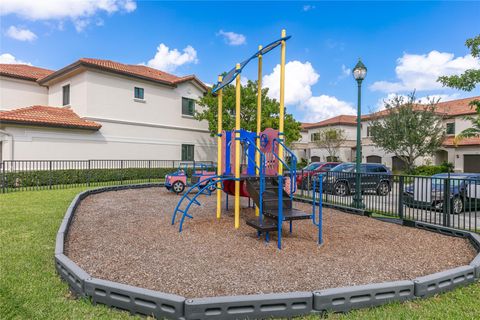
(359, 73)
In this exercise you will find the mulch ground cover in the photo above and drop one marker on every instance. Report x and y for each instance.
(126, 236)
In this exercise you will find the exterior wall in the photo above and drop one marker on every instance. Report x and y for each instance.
(16, 93)
(151, 129)
(134, 142)
(112, 97)
(456, 155)
(78, 93)
(307, 149)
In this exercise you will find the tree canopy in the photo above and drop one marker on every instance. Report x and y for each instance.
(248, 116)
(409, 130)
(467, 82)
(330, 139)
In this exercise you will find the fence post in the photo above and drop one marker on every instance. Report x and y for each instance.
(401, 184)
(121, 171)
(88, 173)
(149, 170)
(4, 178)
(50, 174)
(446, 202)
(323, 186)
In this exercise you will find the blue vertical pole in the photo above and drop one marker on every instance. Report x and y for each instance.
(226, 202)
(280, 210)
(320, 210)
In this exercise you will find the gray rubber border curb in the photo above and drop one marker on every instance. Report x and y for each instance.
(370, 295)
(250, 306)
(164, 305)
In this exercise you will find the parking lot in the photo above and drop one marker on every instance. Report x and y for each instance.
(389, 205)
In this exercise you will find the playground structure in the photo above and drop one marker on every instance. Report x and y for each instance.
(251, 164)
(178, 180)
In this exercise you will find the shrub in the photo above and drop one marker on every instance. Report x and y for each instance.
(81, 176)
(428, 170)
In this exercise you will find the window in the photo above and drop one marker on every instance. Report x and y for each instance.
(139, 93)
(315, 136)
(368, 131)
(188, 152)
(188, 107)
(451, 128)
(66, 94)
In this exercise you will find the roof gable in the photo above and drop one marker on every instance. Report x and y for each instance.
(137, 71)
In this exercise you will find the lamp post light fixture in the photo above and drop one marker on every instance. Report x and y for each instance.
(359, 73)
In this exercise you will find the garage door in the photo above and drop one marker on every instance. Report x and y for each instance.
(374, 159)
(471, 163)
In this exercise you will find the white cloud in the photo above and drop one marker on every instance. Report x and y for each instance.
(78, 12)
(299, 78)
(323, 107)
(169, 60)
(346, 71)
(232, 38)
(8, 58)
(420, 72)
(20, 34)
(243, 81)
(308, 7)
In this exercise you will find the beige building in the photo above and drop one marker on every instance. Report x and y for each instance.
(100, 109)
(465, 155)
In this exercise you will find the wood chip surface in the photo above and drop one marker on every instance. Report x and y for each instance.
(126, 236)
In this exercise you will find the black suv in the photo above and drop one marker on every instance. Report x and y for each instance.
(374, 177)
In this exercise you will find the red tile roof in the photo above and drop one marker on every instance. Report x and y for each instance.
(450, 142)
(347, 120)
(139, 71)
(23, 71)
(450, 108)
(62, 117)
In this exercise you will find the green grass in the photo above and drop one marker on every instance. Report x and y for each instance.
(31, 289)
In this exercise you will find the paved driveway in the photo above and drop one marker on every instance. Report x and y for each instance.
(389, 205)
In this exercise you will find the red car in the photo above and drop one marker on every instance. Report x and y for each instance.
(305, 176)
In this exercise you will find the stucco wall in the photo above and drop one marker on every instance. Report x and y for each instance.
(15, 93)
(78, 93)
(113, 141)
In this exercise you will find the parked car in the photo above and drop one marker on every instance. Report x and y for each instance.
(341, 179)
(306, 175)
(428, 192)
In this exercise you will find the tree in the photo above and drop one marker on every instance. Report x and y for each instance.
(330, 139)
(248, 116)
(409, 130)
(467, 82)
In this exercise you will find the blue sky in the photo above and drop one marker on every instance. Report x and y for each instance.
(405, 45)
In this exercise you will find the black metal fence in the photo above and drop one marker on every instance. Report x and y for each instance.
(451, 200)
(19, 175)
(400, 196)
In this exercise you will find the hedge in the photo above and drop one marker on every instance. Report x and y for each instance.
(72, 176)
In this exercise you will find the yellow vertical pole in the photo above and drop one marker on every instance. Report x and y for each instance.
(237, 150)
(282, 101)
(219, 149)
(259, 116)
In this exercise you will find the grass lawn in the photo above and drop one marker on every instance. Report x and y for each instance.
(31, 289)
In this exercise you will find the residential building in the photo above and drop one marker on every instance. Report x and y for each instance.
(464, 155)
(100, 109)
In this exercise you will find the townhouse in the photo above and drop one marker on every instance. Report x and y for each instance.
(465, 155)
(100, 109)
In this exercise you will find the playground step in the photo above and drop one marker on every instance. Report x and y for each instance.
(264, 225)
(288, 214)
